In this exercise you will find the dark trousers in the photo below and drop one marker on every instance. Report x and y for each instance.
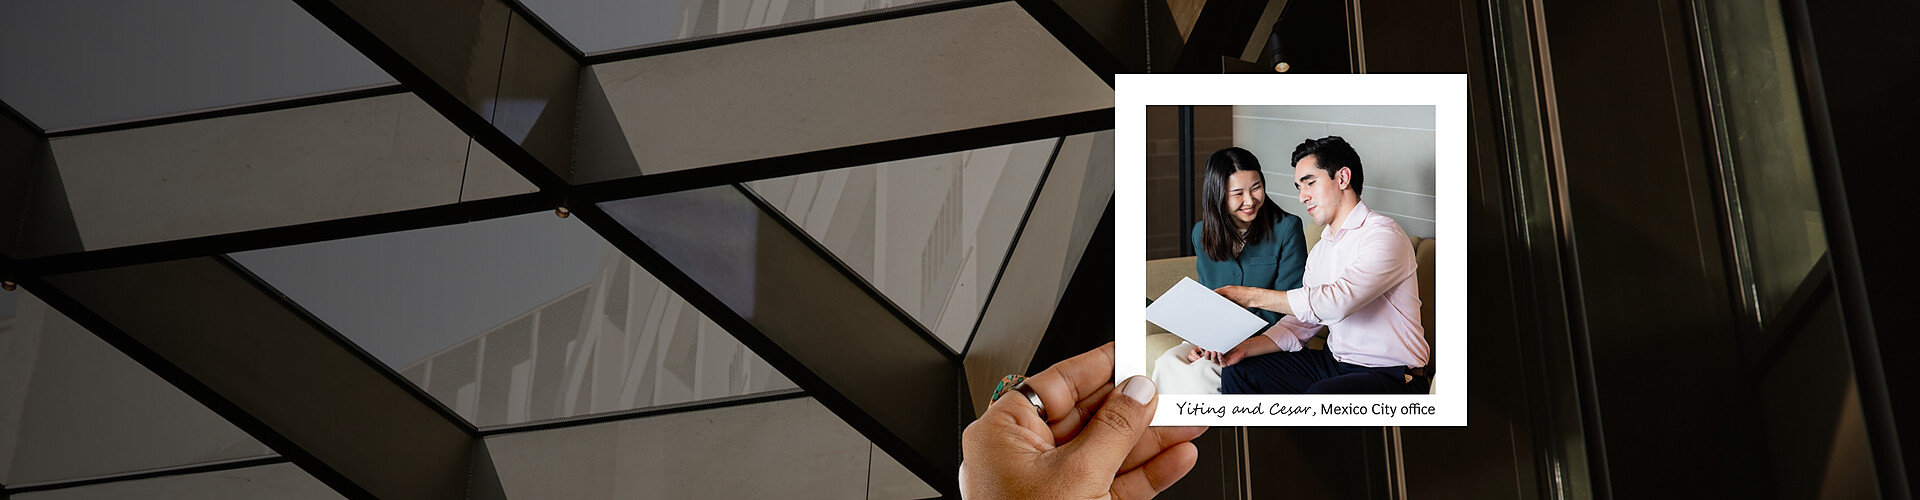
(1309, 371)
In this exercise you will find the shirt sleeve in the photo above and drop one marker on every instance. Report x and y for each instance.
(1290, 333)
(1385, 259)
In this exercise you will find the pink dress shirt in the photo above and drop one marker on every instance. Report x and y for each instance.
(1361, 279)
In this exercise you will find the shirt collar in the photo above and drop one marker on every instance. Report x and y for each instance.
(1354, 220)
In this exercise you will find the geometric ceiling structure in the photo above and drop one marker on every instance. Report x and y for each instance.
(405, 246)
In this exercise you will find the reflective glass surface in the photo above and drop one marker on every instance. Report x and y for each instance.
(605, 25)
(515, 320)
(931, 233)
(789, 449)
(73, 407)
(75, 64)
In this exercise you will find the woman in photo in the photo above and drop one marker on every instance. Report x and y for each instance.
(1244, 241)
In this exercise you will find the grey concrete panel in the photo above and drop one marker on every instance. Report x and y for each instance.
(1043, 260)
(72, 407)
(277, 481)
(763, 281)
(887, 480)
(537, 100)
(223, 339)
(792, 448)
(859, 84)
(488, 177)
(256, 171)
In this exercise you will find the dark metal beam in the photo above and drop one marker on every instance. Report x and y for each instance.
(212, 329)
(325, 230)
(768, 284)
(483, 64)
(845, 157)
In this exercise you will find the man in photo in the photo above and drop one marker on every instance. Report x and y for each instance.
(1360, 279)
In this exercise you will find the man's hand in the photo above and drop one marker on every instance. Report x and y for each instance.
(1259, 298)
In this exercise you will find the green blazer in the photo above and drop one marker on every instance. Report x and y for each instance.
(1274, 264)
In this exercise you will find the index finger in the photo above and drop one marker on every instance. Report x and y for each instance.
(1062, 386)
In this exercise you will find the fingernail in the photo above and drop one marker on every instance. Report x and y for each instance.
(1139, 388)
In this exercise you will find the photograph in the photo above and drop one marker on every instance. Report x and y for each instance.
(1290, 249)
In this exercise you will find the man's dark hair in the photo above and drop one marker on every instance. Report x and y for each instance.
(1332, 153)
(1217, 234)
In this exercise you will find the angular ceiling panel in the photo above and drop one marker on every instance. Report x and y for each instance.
(605, 25)
(77, 64)
(516, 320)
(73, 407)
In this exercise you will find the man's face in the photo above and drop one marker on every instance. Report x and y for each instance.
(1319, 189)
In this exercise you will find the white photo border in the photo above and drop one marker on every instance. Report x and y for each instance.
(1446, 93)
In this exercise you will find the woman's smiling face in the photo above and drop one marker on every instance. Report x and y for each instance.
(1245, 194)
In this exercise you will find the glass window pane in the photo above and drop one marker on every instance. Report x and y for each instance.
(73, 407)
(930, 233)
(601, 26)
(1764, 143)
(516, 320)
(790, 448)
(90, 63)
(283, 481)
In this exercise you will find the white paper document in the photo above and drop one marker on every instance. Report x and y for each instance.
(1197, 314)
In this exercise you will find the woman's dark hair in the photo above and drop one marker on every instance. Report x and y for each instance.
(1333, 153)
(1217, 234)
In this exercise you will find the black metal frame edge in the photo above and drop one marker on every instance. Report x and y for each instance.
(1849, 278)
(341, 340)
(439, 98)
(310, 232)
(845, 156)
(1077, 40)
(761, 345)
(654, 411)
(1018, 231)
(545, 29)
(8, 111)
(873, 292)
(780, 30)
(243, 109)
(208, 397)
(1567, 279)
(147, 474)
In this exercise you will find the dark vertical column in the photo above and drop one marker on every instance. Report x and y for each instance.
(1186, 180)
(1858, 100)
(1651, 300)
(21, 145)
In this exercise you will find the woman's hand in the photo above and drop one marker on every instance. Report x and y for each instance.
(1093, 443)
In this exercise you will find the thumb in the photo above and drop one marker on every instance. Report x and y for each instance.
(1113, 431)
